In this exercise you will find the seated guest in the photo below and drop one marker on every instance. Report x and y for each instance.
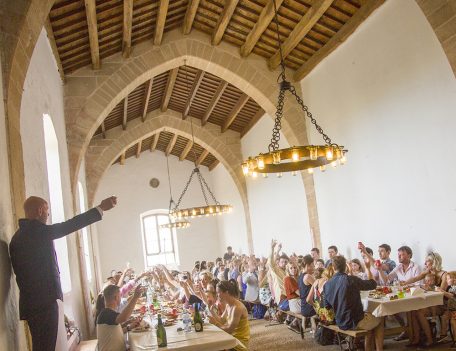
(368, 257)
(332, 252)
(315, 296)
(320, 263)
(315, 254)
(384, 251)
(109, 330)
(250, 278)
(229, 254)
(450, 306)
(357, 269)
(342, 293)
(234, 319)
(290, 284)
(276, 267)
(305, 282)
(405, 270)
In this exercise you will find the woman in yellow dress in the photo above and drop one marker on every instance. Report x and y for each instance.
(234, 319)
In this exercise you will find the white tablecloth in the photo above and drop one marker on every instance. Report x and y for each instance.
(385, 307)
(211, 339)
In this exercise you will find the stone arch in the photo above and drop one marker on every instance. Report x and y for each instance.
(91, 95)
(117, 140)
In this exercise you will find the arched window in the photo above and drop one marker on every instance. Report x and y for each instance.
(85, 234)
(160, 245)
(56, 198)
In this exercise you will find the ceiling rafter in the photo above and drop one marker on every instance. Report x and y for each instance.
(218, 94)
(223, 21)
(147, 91)
(234, 112)
(91, 14)
(161, 20)
(214, 164)
(266, 16)
(186, 150)
(201, 157)
(125, 113)
(190, 14)
(171, 144)
(138, 148)
(196, 83)
(103, 129)
(127, 27)
(169, 88)
(50, 35)
(349, 27)
(153, 145)
(306, 23)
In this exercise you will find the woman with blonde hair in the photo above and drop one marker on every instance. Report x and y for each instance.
(292, 288)
(316, 298)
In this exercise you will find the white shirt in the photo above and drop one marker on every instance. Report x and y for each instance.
(402, 274)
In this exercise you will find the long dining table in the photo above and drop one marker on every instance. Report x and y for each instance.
(211, 339)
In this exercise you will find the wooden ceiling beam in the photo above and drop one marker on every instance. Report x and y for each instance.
(223, 21)
(306, 23)
(138, 149)
(127, 25)
(202, 157)
(236, 109)
(171, 144)
(213, 165)
(265, 18)
(122, 158)
(169, 88)
(190, 14)
(147, 90)
(91, 14)
(125, 113)
(346, 30)
(153, 145)
(253, 121)
(186, 150)
(50, 35)
(161, 20)
(103, 129)
(196, 83)
(218, 94)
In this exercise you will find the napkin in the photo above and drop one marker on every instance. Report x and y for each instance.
(416, 291)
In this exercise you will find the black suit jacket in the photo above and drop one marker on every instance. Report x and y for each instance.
(35, 262)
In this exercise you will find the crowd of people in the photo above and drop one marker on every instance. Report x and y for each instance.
(232, 287)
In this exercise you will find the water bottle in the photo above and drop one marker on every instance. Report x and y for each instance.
(187, 321)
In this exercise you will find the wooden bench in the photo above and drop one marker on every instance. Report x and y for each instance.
(349, 341)
(88, 345)
(302, 325)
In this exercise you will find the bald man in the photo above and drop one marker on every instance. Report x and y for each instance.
(35, 264)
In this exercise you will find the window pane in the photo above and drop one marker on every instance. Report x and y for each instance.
(166, 240)
(151, 235)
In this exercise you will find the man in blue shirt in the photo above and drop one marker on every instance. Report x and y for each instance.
(342, 294)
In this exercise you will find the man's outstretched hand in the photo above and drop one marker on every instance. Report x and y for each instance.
(108, 203)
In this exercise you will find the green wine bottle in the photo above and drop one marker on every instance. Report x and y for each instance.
(197, 320)
(161, 333)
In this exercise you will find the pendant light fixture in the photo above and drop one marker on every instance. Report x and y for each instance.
(296, 158)
(173, 222)
(212, 206)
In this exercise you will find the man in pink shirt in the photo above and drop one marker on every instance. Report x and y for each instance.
(405, 270)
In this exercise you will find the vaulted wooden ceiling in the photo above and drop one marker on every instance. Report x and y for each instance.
(171, 144)
(87, 31)
(191, 92)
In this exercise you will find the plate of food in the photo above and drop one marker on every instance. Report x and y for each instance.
(141, 329)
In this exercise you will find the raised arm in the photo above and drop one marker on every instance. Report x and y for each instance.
(127, 311)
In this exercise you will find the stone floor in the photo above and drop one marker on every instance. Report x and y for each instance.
(279, 337)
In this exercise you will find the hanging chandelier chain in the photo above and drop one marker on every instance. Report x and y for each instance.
(208, 189)
(198, 174)
(191, 121)
(185, 189)
(274, 145)
(282, 62)
(326, 138)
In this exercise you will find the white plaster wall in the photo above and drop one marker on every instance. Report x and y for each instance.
(278, 206)
(11, 329)
(120, 237)
(43, 93)
(388, 95)
(231, 227)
